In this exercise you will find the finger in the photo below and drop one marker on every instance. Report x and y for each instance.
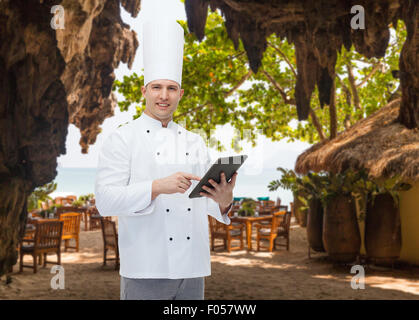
(233, 179)
(190, 176)
(223, 178)
(185, 183)
(209, 190)
(213, 183)
(182, 187)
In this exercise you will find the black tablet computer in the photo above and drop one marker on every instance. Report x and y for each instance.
(228, 165)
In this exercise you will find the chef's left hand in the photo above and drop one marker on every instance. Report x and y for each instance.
(222, 192)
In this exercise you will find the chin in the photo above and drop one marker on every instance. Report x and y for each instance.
(164, 114)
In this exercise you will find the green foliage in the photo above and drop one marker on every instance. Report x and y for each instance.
(289, 181)
(39, 195)
(392, 186)
(78, 203)
(303, 187)
(325, 187)
(247, 208)
(311, 184)
(45, 213)
(342, 184)
(86, 197)
(220, 89)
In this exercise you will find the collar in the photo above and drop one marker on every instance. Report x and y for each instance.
(152, 123)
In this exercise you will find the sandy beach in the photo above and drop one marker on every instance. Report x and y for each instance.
(236, 275)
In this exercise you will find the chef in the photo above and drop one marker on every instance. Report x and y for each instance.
(146, 170)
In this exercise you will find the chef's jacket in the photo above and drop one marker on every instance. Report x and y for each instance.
(166, 237)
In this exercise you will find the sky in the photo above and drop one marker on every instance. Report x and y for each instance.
(266, 154)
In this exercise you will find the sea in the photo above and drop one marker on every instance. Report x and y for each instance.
(252, 184)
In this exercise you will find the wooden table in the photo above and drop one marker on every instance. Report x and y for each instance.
(249, 221)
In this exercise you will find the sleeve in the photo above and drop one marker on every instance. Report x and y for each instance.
(213, 209)
(115, 196)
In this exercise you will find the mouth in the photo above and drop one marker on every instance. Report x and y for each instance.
(162, 106)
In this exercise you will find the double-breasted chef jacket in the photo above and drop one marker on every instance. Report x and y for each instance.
(166, 237)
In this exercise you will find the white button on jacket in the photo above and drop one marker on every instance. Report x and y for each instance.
(166, 237)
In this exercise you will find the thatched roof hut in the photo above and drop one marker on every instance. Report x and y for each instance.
(377, 143)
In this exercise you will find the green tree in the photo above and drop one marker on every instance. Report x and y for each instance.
(40, 194)
(220, 88)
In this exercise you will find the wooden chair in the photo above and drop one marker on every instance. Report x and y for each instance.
(284, 231)
(266, 207)
(47, 239)
(64, 209)
(110, 241)
(271, 211)
(227, 233)
(94, 218)
(267, 203)
(268, 231)
(82, 211)
(71, 229)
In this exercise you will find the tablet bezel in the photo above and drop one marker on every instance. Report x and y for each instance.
(228, 165)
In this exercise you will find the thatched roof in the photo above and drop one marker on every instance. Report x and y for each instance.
(377, 143)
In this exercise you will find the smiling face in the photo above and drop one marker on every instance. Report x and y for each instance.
(162, 98)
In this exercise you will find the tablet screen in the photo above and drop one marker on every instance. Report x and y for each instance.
(228, 165)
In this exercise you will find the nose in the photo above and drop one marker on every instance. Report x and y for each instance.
(164, 94)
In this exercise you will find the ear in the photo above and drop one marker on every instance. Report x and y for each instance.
(182, 91)
(143, 89)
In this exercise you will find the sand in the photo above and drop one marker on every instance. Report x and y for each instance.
(236, 275)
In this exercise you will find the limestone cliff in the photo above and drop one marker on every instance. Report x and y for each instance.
(49, 78)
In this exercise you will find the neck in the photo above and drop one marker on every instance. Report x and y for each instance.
(164, 122)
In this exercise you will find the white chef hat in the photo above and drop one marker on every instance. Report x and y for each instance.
(162, 51)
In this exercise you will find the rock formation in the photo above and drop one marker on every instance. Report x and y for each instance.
(318, 30)
(49, 78)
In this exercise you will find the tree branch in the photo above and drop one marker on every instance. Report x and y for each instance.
(226, 94)
(373, 71)
(346, 90)
(332, 112)
(314, 118)
(353, 86)
(241, 81)
(285, 58)
(317, 124)
(278, 87)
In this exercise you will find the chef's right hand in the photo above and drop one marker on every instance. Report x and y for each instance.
(177, 182)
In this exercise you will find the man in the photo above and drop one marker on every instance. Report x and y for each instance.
(145, 170)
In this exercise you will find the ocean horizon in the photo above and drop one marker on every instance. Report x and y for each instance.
(80, 181)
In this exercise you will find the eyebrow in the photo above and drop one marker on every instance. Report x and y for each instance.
(160, 85)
